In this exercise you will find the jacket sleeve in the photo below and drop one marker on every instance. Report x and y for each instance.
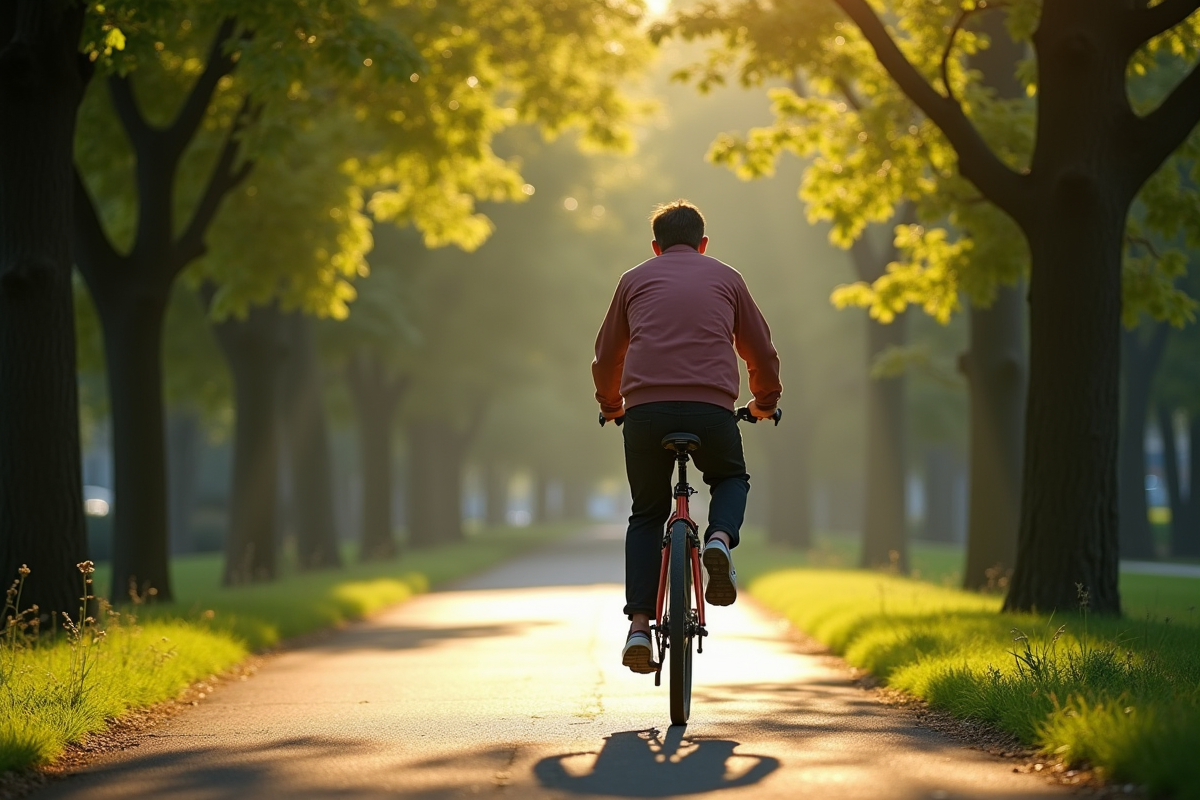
(611, 344)
(752, 338)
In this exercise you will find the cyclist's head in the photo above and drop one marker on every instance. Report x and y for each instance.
(675, 223)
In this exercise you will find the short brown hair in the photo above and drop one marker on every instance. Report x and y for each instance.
(675, 223)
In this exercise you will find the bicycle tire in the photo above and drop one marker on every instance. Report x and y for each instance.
(679, 615)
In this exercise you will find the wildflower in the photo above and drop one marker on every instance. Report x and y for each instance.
(86, 567)
(24, 570)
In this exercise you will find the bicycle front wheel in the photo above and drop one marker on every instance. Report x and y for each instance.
(679, 626)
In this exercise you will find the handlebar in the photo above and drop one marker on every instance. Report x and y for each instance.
(743, 415)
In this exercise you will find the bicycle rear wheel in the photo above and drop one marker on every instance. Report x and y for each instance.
(679, 625)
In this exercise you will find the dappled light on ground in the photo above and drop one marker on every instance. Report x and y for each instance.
(520, 690)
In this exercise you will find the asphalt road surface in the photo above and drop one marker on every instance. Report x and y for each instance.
(510, 684)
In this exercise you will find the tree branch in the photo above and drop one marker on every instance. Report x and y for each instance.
(120, 88)
(1146, 23)
(976, 161)
(1164, 129)
(223, 179)
(194, 108)
(93, 250)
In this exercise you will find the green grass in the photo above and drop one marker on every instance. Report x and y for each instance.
(1120, 694)
(56, 691)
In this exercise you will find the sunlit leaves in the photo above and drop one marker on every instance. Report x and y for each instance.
(869, 151)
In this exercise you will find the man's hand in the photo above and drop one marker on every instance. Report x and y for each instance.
(757, 412)
(612, 416)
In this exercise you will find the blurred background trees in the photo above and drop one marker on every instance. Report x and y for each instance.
(341, 270)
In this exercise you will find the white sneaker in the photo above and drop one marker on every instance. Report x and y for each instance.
(722, 577)
(637, 654)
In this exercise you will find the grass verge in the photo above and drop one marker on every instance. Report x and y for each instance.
(54, 691)
(1121, 695)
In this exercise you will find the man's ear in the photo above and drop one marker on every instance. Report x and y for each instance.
(703, 244)
(656, 247)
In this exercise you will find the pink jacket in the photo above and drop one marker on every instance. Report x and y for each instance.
(671, 332)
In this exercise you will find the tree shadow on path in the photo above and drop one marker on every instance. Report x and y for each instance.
(647, 764)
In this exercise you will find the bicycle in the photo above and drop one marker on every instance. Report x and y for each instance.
(678, 622)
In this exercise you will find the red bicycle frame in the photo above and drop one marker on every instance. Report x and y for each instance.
(682, 491)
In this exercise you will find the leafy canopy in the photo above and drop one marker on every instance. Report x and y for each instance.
(871, 152)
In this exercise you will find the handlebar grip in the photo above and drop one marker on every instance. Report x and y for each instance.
(744, 414)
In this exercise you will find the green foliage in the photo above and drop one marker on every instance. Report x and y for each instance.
(351, 110)
(870, 151)
(137, 661)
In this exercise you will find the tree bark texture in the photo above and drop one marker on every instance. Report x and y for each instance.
(885, 538)
(996, 368)
(1140, 359)
(132, 321)
(306, 435)
(436, 452)
(183, 463)
(1068, 537)
(41, 494)
(375, 395)
(254, 353)
(789, 483)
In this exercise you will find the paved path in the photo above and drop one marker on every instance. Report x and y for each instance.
(510, 684)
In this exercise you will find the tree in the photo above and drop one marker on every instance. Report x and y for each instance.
(131, 288)
(424, 140)
(42, 79)
(1068, 191)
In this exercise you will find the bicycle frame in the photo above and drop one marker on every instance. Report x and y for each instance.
(682, 492)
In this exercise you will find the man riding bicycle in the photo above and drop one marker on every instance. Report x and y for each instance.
(666, 361)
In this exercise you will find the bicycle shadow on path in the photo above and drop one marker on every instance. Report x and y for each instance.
(648, 764)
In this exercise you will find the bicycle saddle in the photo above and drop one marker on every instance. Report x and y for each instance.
(681, 442)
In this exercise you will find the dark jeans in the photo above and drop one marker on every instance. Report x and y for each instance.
(651, 478)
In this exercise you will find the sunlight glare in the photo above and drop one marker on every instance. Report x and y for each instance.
(657, 8)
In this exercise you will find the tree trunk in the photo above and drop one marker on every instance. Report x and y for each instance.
(132, 319)
(183, 453)
(41, 494)
(307, 437)
(885, 540)
(941, 473)
(375, 398)
(1068, 536)
(252, 348)
(1140, 361)
(436, 454)
(789, 487)
(496, 488)
(996, 368)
